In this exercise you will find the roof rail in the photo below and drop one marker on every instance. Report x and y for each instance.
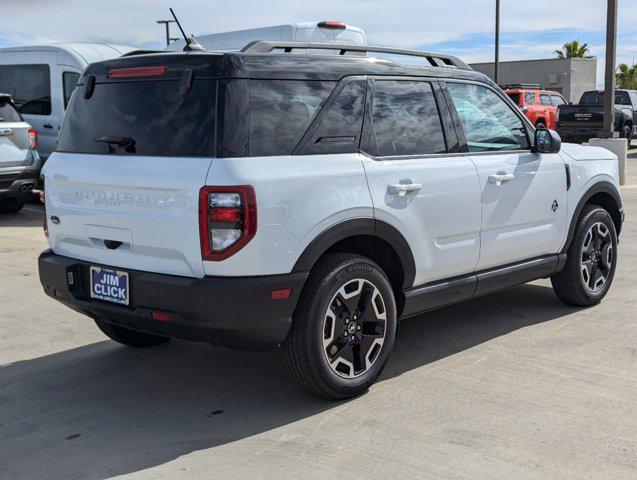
(522, 86)
(435, 59)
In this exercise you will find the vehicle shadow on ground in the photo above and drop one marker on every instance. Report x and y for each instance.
(105, 410)
(24, 218)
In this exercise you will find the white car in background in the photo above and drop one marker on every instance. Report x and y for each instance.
(314, 32)
(41, 78)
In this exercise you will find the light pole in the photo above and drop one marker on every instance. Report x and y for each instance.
(167, 24)
(497, 42)
(611, 57)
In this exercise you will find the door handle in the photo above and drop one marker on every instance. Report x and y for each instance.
(47, 125)
(401, 189)
(501, 177)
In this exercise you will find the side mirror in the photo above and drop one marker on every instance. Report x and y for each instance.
(547, 141)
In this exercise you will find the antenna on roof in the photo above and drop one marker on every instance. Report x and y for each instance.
(191, 43)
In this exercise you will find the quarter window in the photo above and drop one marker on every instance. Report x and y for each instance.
(69, 80)
(488, 122)
(280, 113)
(30, 87)
(405, 119)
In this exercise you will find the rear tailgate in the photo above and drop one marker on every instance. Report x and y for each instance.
(134, 152)
(150, 205)
(581, 116)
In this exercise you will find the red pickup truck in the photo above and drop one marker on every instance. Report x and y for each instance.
(539, 105)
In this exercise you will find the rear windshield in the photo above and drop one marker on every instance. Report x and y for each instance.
(8, 113)
(154, 114)
(515, 97)
(597, 98)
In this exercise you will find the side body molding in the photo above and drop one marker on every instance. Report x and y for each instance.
(355, 227)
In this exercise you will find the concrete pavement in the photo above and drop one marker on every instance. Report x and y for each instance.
(513, 385)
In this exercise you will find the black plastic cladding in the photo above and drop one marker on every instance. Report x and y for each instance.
(274, 66)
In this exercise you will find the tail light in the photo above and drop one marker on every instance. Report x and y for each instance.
(33, 138)
(228, 220)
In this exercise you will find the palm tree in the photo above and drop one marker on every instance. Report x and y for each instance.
(573, 50)
(626, 77)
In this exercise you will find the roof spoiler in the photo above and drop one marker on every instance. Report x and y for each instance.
(435, 59)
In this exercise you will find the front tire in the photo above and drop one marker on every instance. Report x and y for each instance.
(592, 259)
(128, 337)
(343, 328)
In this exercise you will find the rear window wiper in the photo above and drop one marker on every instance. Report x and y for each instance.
(127, 142)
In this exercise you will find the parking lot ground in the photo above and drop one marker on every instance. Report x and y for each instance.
(515, 385)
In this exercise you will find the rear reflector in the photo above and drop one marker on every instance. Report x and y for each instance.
(136, 72)
(282, 294)
(333, 25)
(161, 316)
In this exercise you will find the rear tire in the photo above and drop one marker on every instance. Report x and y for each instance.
(11, 205)
(343, 328)
(131, 338)
(540, 125)
(628, 134)
(592, 259)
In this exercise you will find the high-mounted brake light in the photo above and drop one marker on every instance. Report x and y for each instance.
(136, 72)
(332, 24)
(227, 220)
(33, 138)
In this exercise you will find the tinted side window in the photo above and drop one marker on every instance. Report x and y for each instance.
(281, 111)
(405, 119)
(556, 100)
(545, 99)
(622, 98)
(69, 80)
(7, 112)
(340, 123)
(30, 87)
(488, 122)
(529, 98)
(515, 97)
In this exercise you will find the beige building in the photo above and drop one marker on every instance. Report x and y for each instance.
(569, 76)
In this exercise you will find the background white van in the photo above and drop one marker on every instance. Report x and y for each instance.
(41, 78)
(315, 32)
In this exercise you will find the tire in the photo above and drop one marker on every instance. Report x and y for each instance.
(11, 205)
(628, 134)
(131, 338)
(326, 334)
(592, 256)
(540, 125)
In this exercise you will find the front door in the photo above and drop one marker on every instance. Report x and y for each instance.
(523, 194)
(428, 194)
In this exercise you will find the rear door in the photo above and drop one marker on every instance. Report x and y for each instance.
(523, 194)
(132, 159)
(419, 182)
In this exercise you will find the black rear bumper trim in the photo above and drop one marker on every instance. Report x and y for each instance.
(237, 312)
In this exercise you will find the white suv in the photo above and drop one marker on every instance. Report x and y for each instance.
(261, 198)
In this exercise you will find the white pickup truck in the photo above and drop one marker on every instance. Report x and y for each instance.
(257, 199)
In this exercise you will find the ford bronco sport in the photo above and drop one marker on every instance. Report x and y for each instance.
(263, 198)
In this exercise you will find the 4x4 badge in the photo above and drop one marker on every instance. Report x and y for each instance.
(555, 206)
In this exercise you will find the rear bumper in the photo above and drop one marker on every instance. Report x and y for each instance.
(18, 182)
(578, 134)
(237, 312)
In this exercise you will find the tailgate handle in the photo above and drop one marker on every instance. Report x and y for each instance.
(5, 132)
(112, 244)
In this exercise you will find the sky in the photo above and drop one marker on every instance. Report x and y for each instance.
(529, 30)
